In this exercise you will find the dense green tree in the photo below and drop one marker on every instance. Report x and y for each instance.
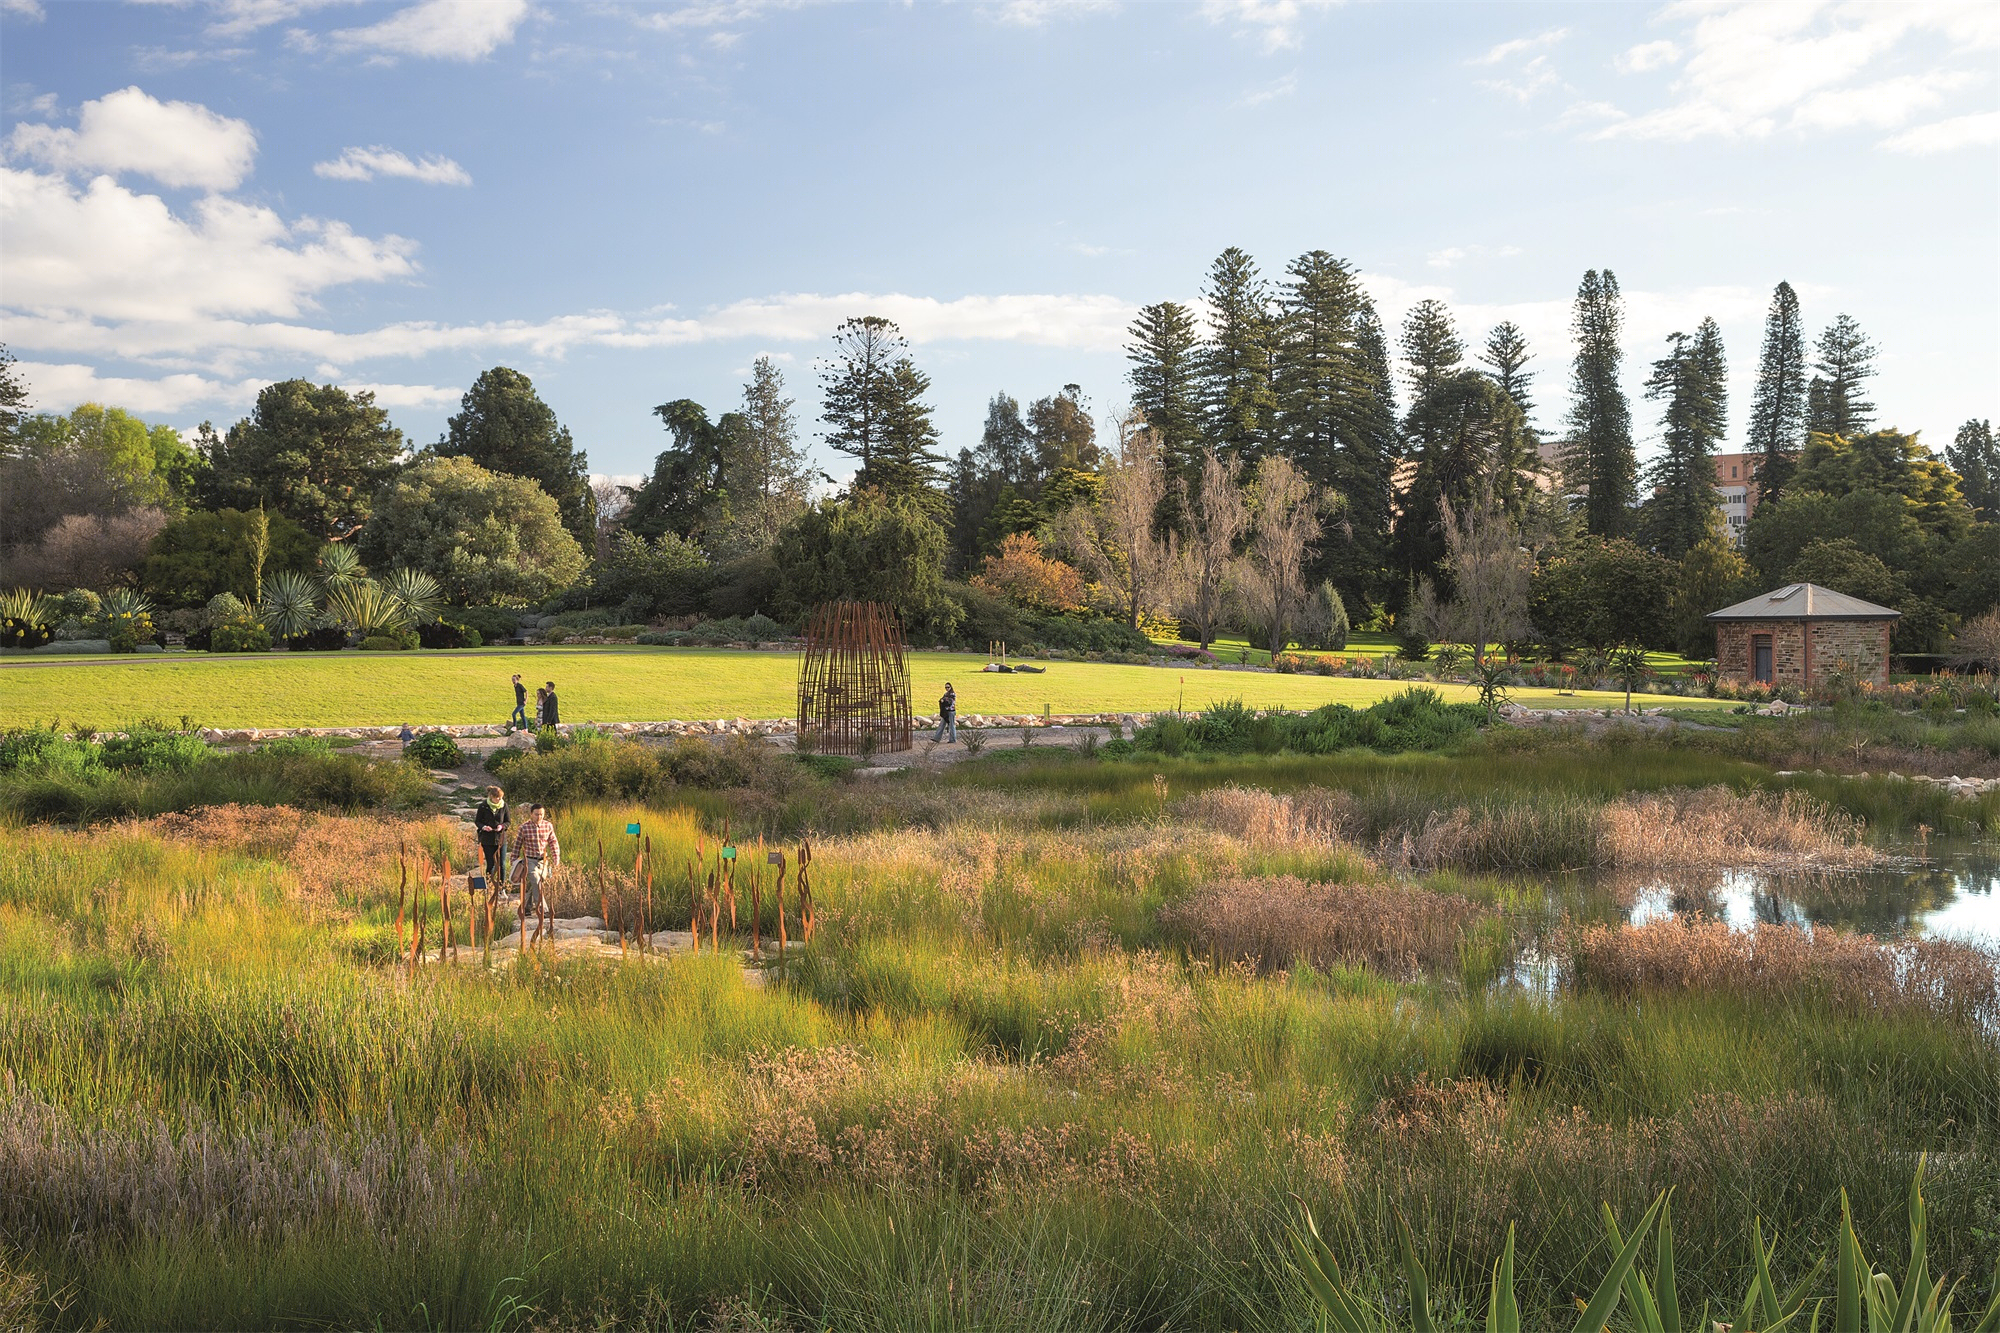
(1886, 462)
(1601, 454)
(1879, 523)
(868, 547)
(765, 478)
(1778, 410)
(681, 494)
(1839, 563)
(1330, 401)
(666, 576)
(1693, 379)
(207, 552)
(1431, 347)
(503, 425)
(1506, 358)
(1712, 575)
(488, 538)
(1006, 448)
(1064, 435)
(1596, 592)
(1238, 396)
(313, 452)
(871, 400)
(1975, 456)
(1843, 362)
(1469, 441)
(1166, 388)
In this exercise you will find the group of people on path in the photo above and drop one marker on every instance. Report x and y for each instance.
(536, 852)
(547, 712)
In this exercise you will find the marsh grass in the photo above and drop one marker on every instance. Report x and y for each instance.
(1011, 1084)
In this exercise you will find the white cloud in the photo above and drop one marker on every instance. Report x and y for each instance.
(104, 252)
(439, 30)
(30, 10)
(364, 164)
(1757, 69)
(1533, 77)
(1944, 136)
(1270, 92)
(240, 18)
(714, 15)
(1274, 23)
(1520, 46)
(1450, 255)
(1647, 56)
(59, 386)
(176, 143)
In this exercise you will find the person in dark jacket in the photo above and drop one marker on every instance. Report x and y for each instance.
(948, 716)
(520, 716)
(490, 822)
(550, 714)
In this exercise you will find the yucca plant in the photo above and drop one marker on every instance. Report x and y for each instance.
(124, 602)
(367, 608)
(32, 609)
(340, 566)
(291, 603)
(417, 593)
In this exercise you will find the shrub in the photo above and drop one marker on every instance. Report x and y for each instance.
(324, 639)
(291, 747)
(434, 749)
(153, 748)
(445, 634)
(493, 623)
(44, 750)
(595, 768)
(386, 643)
(240, 634)
(1416, 719)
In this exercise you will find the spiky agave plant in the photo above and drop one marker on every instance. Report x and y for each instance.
(417, 593)
(340, 566)
(121, 602)
(32, 609)
(291, 603)
(368, 608)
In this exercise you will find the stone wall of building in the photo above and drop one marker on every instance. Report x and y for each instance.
(1802, 647)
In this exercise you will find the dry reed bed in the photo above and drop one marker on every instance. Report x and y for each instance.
(1705, 827)
(1396, 929)
(330, 856)
(1854, 973)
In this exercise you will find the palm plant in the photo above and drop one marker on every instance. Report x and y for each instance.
(339, 566)
(122, 602)
(417, 593)
(1628, 668)
(291, 603)
(368, 608)
(32, 609)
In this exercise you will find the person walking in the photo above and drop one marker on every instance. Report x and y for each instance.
(540, 856)
(948, 716)
(551, 714)
(490, 822)
(520, 715)
(541, 708)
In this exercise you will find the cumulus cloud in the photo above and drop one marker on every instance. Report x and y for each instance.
(365, 164)
(1754, 69)
(104, 252)
(438, 30)
(1039, 13)
(175, 143)
(1648, 56)
(30, 10)
(1943, 136)
(62, 385)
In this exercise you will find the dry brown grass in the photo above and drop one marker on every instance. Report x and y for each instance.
(330, 856)
(1396, 929)
(1716, 826)
(1855, 973)
(1309, 816)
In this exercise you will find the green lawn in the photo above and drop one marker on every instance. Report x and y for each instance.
(620, 685)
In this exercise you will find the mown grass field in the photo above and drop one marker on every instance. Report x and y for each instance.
(628, 685)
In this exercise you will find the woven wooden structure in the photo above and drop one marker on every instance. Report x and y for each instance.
(854, 688)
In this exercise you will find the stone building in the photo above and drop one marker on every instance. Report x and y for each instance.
(1798, 633)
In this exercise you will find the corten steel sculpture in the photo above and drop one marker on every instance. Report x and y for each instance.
(854, 689)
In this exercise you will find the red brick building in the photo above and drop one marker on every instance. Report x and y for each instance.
(1792, 636)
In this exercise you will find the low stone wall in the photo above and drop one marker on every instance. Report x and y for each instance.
(724, 726)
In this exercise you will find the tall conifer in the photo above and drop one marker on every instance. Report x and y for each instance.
(1431, 346)
(1693, 379)
(1844, 360)
(1239, 398)
(1506, 358)
(1166, 389)
(1778, 411)
(1600, 445)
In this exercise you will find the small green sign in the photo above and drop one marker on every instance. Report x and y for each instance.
(632, 829)
(729, 853)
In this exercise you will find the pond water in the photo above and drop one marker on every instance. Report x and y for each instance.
(1947, 890)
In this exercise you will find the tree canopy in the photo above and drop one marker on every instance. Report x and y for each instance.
(487, 538)
(315, 453)
(503, 425)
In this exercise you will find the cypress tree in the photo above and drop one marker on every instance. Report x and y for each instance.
(1778, 411)
(1600, 446)
(1166, 389)
(1844, 360)
(1238, 397)
(1693, 379)
(1506, 357)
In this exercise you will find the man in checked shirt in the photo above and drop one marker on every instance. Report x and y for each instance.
(539, 855)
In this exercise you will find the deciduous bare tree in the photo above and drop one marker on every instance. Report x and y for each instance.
(1285, 524)
(1218, 515)
(1486, 601)
(1115, 540)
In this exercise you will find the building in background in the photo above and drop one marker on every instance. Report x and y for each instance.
(1797, 634)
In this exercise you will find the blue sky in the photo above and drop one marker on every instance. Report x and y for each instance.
(631, 202)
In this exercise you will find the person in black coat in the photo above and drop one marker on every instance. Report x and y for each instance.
(490, 822)
(550, 715)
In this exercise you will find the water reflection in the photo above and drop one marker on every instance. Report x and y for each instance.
(1948, 892)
